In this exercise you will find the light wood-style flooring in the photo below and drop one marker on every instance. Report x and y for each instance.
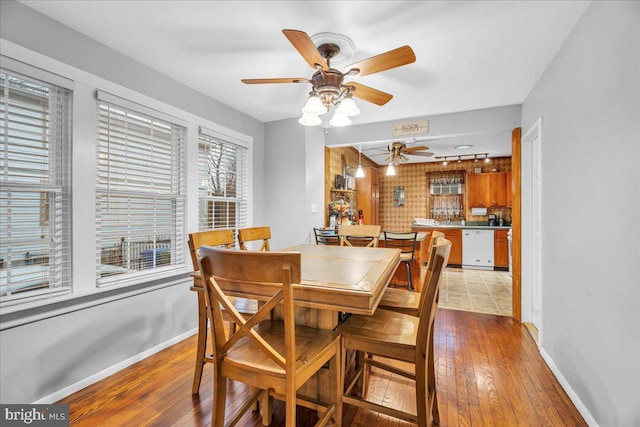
(480, 291)
(489, 374)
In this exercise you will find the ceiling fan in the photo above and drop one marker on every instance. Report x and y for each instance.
(329, 88)
(398, 152)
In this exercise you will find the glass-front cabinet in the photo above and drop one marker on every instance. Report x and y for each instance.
(446, 195)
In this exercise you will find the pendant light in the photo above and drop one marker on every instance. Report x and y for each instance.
(390, 170)
(360, 171)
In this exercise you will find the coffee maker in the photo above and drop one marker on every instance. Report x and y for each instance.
(492, 220)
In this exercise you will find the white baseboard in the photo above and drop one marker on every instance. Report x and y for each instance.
(61, 394)
(588, 418)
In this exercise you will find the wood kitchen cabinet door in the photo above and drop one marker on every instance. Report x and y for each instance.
(368, 197)
(477, 190)
(508, 193)
(496, 189)
(455, 236)
(501, 248)
(485, 190)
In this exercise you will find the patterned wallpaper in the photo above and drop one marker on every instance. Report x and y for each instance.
(414, 179)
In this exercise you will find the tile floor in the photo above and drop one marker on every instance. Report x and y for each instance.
(479, 291)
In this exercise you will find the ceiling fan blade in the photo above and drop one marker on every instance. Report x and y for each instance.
(369, 94)
(385, 61)
(418, 148)
(305, 47)
(423, 154)
(278, 80)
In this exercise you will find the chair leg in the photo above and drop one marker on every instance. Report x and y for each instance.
(290, 408)
(409, 278)
(219, 399)
(266, 408)
(434, 411)
(202, 343)
(336, 372)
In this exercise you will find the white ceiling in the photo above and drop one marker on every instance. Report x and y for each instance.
(469, 54)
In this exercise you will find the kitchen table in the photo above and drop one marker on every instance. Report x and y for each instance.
(334, 279)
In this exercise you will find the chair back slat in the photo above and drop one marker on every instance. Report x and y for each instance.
(326, 236)
(435, 235)
(252, 234)
(406, 242)
(429, 294)
(223, 238)
(277, 271)
(359, 235)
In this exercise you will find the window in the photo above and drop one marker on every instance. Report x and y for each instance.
(35, 193)
(223, 188)
(140, 199)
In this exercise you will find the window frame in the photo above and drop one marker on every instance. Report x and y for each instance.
(176, 196)
(207, 138)
(55, 199)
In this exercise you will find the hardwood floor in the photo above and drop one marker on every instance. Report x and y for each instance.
(489, 373)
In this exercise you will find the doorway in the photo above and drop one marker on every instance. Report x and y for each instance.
(532, 229)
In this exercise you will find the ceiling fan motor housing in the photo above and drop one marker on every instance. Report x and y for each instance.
(328, 85)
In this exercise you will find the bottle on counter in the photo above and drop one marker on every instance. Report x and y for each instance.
(360, 217)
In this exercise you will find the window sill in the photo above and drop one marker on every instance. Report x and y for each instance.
(43, 308)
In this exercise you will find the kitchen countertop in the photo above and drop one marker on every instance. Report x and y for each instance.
(465, 227)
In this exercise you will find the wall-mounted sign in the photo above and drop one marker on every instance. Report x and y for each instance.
(411, 128)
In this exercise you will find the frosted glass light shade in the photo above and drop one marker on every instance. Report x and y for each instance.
(309, 120)
(314, 105)
(359, 172)
(339, 120)
(348, 107)
(391, 170)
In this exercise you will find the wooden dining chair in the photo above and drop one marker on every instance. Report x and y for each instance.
(275, 357)
(326, 236)
(402, 301)
(435, 235)
(252, 234)
(359, 235)
(406, 242)
(399, 337)
(224, 238)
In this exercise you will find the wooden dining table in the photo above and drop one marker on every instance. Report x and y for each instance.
(334, 280)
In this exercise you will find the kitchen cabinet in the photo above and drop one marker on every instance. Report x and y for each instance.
(486, 190)
(368, 196)
(501, 248)
(508, 193)
(455, 236)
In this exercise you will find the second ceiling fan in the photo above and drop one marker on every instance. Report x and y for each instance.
(329, 88)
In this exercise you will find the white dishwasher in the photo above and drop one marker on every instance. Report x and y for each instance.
(477, 249)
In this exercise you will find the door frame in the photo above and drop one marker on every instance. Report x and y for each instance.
(531, 191)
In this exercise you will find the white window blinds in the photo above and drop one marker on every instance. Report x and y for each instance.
(35, 193)
(223, 184)
(140, 191)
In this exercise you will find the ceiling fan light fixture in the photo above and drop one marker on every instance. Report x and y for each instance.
(339, 120)
(348, 106)
(391, 170)
(314, 105)
(308, 119)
